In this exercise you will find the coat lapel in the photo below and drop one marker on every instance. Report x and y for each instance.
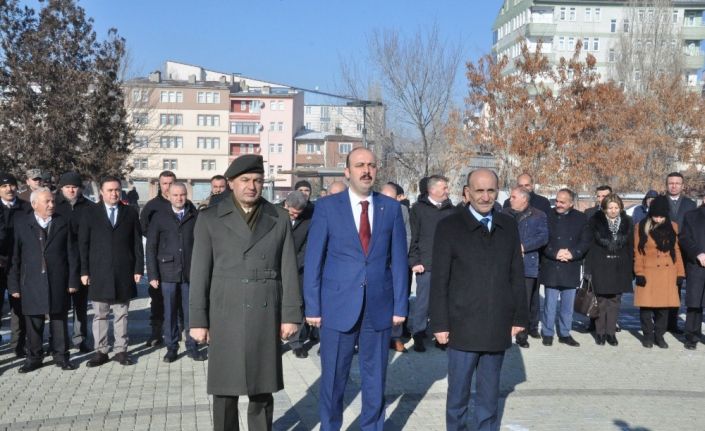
(378, 208)
(56, 225)
(232, 220)
(267, 220)
(122, 213)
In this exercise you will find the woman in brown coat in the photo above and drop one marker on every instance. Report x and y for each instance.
(659, 271)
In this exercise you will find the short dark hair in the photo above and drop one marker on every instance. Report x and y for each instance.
(169, 174)
(604, 187)
(674, 174)
(110, 179)
(569, 192)
(217, 177)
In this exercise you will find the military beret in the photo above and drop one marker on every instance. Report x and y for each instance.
(249, 163)
(302, 183)
(70, 179)
(7, 178)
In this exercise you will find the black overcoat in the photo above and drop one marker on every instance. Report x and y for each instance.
(18, 209)
(692, 242)
(569, 231)
(42, 277)
(170, 244)
(111, 256)
(477, 285)
(611, 259)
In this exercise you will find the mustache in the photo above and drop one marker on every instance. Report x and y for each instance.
(366, 177)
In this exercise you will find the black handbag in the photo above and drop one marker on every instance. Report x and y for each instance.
(586, 301)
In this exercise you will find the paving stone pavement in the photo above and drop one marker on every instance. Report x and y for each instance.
(592, 387)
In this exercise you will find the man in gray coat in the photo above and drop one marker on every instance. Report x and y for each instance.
(244, 296)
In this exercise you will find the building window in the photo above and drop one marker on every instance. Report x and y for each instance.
(308, 126)
(271, 126)
(325, 113)
(359, 127)
(595, 44)
(561, 14)
(313, 148)
(561, 43)
(208, 97)
(208, 165)
(141, 163)
(626, 25)
(586, 44)
(613, 26)
(208, 143)
(598, 14)
(280, 148)
(140, 118)
(171, 97)
(208, 120)
(171, 142)
(612, 56)
(171, 119)
(271, 170)
(308, 109)
(571, 43)
(281, 105)
(324, 126)
(243, 128)
(280, 126)
(571, 14)
(141, 141)
(344, 147)
(271, 147)
(247, 148)
(341, 164)
(169, 164)
(588, 14)
(255, 106)
(279, 169)
(140, 95)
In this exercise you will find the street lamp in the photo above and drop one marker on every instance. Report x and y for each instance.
(364, 104)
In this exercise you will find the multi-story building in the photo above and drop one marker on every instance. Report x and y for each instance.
(599, 25)
(323, 155)
(180, 125)
(334, 119)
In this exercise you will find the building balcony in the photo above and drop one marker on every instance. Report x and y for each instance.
(693, 32)
(540, 29)
(694, 61)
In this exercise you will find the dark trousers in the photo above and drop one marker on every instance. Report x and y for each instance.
(461, 366)
(606, 322)
(156, 307)
(176, 301)
(672, 319)
(336, 357)
(59, 332)
(260, 413)
(18, 331)
(298, 340)
(653, 321)
(419, 312)
(693, 323)
(532, 298)
(79, 302)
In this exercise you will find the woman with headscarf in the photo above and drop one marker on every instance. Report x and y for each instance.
(659, 271)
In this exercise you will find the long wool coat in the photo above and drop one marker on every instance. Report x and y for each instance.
(244, 284)
(661, 274)
(692, 242)
(611, 259)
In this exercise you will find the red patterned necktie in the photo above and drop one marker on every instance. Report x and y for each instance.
(364, 226)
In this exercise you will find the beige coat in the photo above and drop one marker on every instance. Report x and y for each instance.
(660, 272)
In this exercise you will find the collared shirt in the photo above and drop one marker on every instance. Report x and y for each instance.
(9, 204)
(107, 210)
(179, 213)
(43, 223)
(357, 209)
(479, 216)
(438, 204)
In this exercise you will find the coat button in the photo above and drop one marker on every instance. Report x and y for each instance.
(244, 280)
(264, 305)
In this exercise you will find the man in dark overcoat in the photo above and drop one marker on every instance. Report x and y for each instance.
(112, 262)
(12, 207)
(568, 242)
(692, 242)
(478, 300)
(71, 204)
(44, 270)
(245, 295)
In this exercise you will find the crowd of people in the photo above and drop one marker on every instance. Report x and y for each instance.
(240, 274)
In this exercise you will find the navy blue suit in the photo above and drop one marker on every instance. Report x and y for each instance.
(356, 296)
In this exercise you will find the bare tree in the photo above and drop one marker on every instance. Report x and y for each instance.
(649, 44)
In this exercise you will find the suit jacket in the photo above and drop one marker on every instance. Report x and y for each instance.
(537, 201)
(533, 232)
(157, 204)
(111, 256)
(19, 209)
(43, 275)
(678, 211)
(569, 231)
(339, 275)
(692, 242)
(423, 219)
(244, 284)
(169, 245)
(477, 285)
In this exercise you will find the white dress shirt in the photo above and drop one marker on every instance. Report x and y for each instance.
(479, 216)
(43, 223)
(107, 211)
(357, 209)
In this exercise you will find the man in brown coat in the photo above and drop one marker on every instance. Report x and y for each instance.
(244, 296)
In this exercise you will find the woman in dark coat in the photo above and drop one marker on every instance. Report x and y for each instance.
(610, 258)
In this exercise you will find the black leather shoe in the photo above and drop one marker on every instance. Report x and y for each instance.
(568, 341)
(155, 341)
(197, 355)
(547, 341)
(301, 353)
(648, 341)
(661, 343)
(168, 358)
(418, 344)
(612, 340)
(441, 346)
(600, 340)
(83, 348)
(690, 345)
(523, 343)
(123, 359)
(534, 334)
(28, 367)
(98, 360)
(20, 353)
(66, 366)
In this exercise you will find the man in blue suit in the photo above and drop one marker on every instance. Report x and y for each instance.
(355, 288)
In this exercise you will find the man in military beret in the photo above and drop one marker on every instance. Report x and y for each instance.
(244, 295)
(34, 181)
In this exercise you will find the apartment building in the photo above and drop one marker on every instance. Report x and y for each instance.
(599, 25)
(323, 155)
(180, 125)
